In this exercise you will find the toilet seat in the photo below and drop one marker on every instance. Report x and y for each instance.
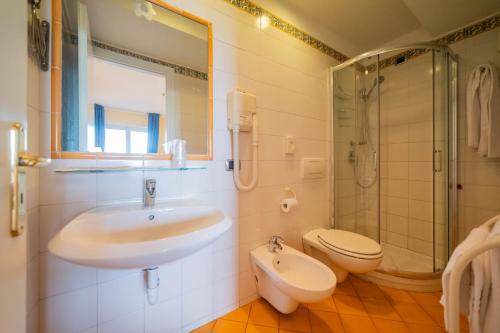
(350, 244)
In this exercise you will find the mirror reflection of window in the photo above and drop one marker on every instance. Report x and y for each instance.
(122, 101)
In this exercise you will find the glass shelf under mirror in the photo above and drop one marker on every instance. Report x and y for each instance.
(124, 169)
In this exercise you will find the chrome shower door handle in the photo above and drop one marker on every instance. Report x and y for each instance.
(18, 161)
(438, 160)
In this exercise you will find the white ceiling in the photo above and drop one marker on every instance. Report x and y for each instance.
(125, 88)
(357, 26)
(169, 36)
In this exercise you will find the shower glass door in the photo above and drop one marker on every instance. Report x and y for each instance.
(356, 148)
(394, 152)
(444, 149)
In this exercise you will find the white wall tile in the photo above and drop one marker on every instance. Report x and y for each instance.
(196, 304)
(58, 276)
(164, 317)
(69, 312)
(56, 188)
(130, 323)
(120, 296)
(197, 271)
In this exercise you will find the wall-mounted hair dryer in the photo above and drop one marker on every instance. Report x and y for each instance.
(242, 117)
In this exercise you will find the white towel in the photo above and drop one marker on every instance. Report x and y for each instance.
(468, 292)
(473, 108)
(483, 110)
(490, 101)
(492, 303)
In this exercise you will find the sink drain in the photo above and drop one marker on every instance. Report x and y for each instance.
(151, 217)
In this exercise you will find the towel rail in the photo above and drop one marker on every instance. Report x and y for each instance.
(456, 275)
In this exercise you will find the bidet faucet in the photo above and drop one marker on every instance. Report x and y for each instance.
(149, 193)
(275, 243)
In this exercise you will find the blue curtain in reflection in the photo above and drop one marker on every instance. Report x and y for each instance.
(70, 115)
(99, 126)
(153, 132)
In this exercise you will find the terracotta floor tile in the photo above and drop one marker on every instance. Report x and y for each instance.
(424, 298)
(366, 289)
(325, 322)
(325, 305)
(261, 329)
(262, 313)
(423, 328)
(240, 314)
(436, 312)
(296, 321)
(345, 288)
(228, 326)
(390, 326)
(413, 313)
(349, 305)
(377, 308)
(357, 324)
(396, 295)
(207, 328)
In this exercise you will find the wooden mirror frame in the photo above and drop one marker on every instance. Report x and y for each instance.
(56, 150)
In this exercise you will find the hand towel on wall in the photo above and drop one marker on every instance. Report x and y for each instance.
(473, 108)
(491, 86)
(483, 111)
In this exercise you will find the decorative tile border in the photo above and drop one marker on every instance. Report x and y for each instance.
(451, 38)
(454, 37)
(470, 31)
(182, 70)
(288, 28)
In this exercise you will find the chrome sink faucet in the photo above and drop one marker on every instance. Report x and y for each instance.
(149, 193)
(275, 243)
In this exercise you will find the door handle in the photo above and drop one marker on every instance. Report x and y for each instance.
(438, 160)
(18, 161)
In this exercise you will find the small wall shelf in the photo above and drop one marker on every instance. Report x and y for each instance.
(122, 169)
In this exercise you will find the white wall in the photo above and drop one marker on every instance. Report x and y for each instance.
(290, 81)
(479, 176)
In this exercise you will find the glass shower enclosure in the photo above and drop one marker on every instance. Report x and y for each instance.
(394, 153)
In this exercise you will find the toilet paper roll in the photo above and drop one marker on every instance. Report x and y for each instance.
(288, 204)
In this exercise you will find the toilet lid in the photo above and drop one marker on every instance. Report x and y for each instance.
(349, 242)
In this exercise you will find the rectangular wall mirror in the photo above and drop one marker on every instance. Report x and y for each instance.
(128, 78)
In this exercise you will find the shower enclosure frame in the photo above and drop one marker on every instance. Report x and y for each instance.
(452, 142)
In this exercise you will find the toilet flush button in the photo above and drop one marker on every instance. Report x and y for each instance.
(313, 168)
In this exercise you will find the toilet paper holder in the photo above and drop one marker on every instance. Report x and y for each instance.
(288, 203)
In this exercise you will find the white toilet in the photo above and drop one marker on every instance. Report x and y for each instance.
(343, 251)
(287, 277)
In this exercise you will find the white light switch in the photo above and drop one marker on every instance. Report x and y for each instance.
(313, 168)
(290, 145)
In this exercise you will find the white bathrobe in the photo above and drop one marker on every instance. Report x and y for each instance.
(472, 282)
(483, 110)
(473, 108)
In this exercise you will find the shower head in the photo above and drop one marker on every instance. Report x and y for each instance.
(378, 80)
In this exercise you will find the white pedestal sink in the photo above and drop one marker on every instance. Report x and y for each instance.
(130, 236)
